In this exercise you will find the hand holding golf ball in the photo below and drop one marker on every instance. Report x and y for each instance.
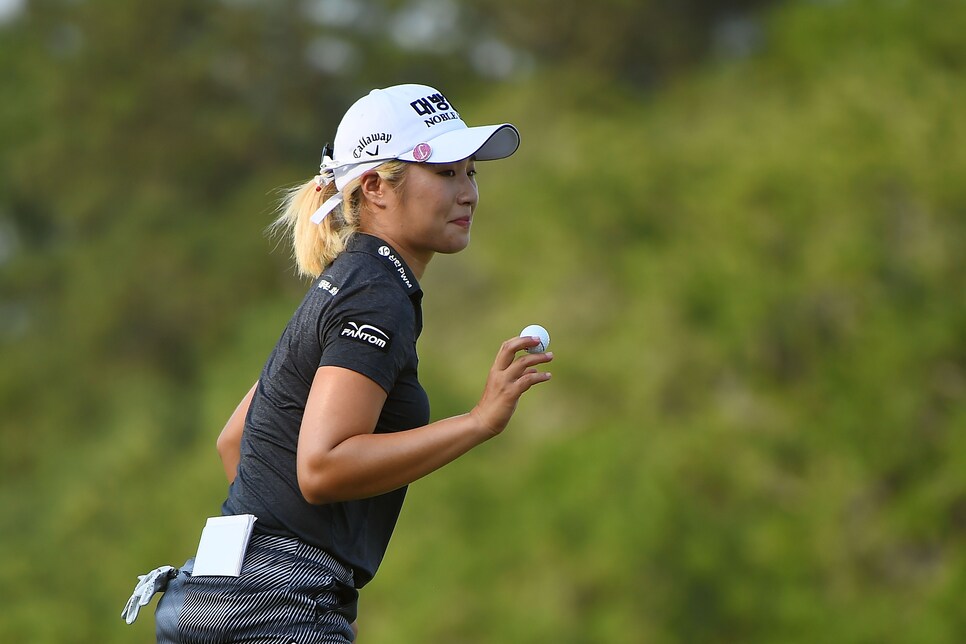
(537, 331)
(511, 376)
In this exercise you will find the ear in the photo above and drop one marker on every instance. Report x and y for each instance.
(374, 189)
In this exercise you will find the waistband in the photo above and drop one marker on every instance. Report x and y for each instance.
(296, 547)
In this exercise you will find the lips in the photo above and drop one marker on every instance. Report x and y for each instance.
(462, 221)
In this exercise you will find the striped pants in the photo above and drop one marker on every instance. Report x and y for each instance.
(288, 593)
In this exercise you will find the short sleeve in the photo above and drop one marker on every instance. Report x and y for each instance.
(370, 330)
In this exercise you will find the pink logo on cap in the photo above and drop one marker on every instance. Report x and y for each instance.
(422, 152)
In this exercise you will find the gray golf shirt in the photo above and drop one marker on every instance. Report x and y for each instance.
(364, 313)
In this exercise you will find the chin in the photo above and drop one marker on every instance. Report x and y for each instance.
(455, 245)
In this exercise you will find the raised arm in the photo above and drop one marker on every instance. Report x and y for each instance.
(229, 441)
(340, 458)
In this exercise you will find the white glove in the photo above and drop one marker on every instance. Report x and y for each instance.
(151, 583)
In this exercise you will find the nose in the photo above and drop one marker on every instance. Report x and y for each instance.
(469, 193)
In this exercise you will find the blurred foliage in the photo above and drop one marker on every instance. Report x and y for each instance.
(636, 42)
(748, 242)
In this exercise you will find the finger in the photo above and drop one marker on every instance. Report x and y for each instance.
(528, 380)
(531, 359)
(526, 361)
(509, 349)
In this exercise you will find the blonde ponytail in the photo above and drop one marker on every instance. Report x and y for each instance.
(315, 246)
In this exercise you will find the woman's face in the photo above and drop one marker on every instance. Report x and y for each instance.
(435, 207)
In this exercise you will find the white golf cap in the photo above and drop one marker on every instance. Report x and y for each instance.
(410, 123)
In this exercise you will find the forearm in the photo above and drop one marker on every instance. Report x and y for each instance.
(229, 441)
(340, 458)
(367, 465)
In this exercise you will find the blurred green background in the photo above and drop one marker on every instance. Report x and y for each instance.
(743, 222)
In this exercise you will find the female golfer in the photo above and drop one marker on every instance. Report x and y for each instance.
(322, 447)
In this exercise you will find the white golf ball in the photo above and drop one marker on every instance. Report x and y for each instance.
(537, 331)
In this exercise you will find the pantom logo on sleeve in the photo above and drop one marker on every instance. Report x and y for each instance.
(367, 334)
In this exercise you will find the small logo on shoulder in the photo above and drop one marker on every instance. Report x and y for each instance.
(326, 285)
(386, 252)
(367, 334)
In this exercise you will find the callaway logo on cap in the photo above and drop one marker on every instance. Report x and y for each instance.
(411, 123)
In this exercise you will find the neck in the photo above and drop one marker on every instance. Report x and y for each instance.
(417, 261)
(418, 266)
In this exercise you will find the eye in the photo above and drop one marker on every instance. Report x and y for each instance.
(452, 172)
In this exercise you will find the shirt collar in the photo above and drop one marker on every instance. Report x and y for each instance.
(387, 255)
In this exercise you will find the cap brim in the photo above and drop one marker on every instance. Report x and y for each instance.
(484, 142)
